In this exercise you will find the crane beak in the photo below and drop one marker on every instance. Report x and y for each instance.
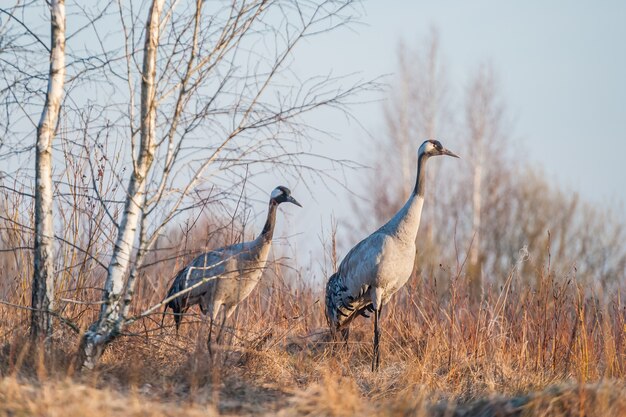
(294, 201)
(449, 153)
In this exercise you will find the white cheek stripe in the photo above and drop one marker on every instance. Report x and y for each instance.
(276, 193)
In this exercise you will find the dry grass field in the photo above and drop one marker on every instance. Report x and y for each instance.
(162, 125)
(551, 348)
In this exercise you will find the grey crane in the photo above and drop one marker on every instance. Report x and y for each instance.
(226, 276)
(380, 264)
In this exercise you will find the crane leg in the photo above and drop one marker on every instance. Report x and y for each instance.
(218, 339)
(376, 356)
(345, 333)
(208, 343)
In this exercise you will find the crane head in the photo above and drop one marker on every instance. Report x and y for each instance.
(433, 147)
(282, 194)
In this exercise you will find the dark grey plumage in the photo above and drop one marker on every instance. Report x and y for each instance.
(226, 276)
(380, 264)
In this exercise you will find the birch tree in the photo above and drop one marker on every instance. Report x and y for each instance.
(211, 103)
(493, 203)
(483, 113)
(110, 318)
(418, 109)
(43, 277)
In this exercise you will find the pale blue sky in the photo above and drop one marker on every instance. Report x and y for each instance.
(561, 65)
(562, 72)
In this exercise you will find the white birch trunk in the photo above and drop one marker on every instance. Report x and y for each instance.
(476, 208)
(431, 177)
(405, 142)
(474, 258)
(43, 275)
(111, 319)
(483, 117)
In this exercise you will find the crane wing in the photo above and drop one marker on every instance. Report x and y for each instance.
(203, 267)
(348, 290)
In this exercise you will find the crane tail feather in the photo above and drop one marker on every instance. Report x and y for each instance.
(341, 307)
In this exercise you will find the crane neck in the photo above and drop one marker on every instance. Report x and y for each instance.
(268, 229)
(421, 175)
(405, 224)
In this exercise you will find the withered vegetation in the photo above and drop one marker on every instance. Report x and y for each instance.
(553, 348)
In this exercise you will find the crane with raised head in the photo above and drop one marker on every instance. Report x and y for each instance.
(225, 276)
(380, 264)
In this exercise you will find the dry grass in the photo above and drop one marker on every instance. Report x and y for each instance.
(552, 349)
(531, 345)
(68, 399)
